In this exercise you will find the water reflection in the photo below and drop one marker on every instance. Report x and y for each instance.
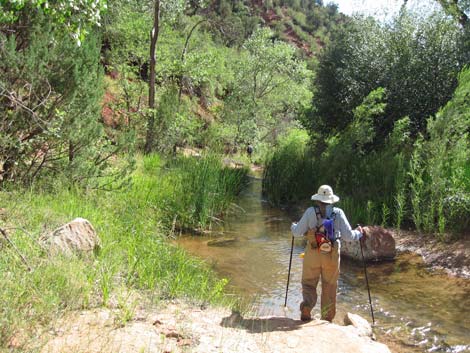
(420, 311)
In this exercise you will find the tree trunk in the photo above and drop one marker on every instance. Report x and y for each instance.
(183, 54)
(71, 151)
(153, 45)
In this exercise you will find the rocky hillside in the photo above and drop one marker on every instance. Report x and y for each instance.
(307, 24)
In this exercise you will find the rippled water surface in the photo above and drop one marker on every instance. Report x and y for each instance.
(415, 310)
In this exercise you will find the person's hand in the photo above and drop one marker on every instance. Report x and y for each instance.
(361, 230)
(293, 225)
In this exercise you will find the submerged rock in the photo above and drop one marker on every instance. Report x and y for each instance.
(221, 241)
(75, 236)
(379, 245)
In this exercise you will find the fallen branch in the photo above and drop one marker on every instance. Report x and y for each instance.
(5, 235)
(28, 234)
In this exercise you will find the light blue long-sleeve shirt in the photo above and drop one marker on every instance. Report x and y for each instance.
(341, 224)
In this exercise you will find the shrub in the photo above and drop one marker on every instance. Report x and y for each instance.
(50, 116)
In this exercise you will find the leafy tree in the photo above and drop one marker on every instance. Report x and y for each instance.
(415, 60)
(459, 9)
(126, 37)
(269, 88)
(75, 16)
(188, 58)
(442, 174)
(167, 10)
(50, 106)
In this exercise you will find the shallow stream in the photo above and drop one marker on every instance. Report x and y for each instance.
(415, 310)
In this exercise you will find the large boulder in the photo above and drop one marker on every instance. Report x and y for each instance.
(77, 236)
(379, 245)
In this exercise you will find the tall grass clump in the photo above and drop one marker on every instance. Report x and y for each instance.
(288, 170)
(202, 190)
(440, 181)
(135, 253)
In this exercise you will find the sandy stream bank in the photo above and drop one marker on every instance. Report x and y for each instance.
(453, 257)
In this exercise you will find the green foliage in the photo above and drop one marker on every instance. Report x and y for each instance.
(247, 95)
(201, 191)
(397, 56)
(425, 183)
(174, 124)
(361, 177)
(458, 9)
(201, 70)
(135, 253)
(50, 109)
(385, 215)
(440, 163)
(75, 16)
(285, 175)
(269, 88)
(127, 36)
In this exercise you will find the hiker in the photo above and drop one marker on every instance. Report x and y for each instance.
(322, 226)
(249, 150)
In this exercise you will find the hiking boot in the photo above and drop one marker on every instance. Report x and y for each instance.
(305, 313)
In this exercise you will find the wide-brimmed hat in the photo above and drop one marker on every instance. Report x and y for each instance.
(325, 195)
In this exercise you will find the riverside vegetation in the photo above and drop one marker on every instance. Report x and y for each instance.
(422, 183)
(133, 225)
(396, 147)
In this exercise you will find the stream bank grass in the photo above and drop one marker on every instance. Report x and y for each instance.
(132, 224)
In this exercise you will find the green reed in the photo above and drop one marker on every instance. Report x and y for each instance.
(133, 224)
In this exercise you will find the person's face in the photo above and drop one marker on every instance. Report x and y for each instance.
(322, 205)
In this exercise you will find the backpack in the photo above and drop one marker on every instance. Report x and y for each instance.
(325, 232)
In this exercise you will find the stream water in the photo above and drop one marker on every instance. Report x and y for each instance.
(415, 310)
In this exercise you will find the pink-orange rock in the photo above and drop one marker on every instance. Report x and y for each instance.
(379, 245)
(75, 236)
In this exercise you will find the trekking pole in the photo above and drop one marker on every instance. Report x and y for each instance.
(290, 264)
(367, 281)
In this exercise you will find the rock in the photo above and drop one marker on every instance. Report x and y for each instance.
(230, 163)
(3, 214)
(221, 241)
(75, 236)
(213, 330)
(188, 152)
(362, 325)
(316, 336)
(379, 245)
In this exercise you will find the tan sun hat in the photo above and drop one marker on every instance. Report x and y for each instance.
(325, 195)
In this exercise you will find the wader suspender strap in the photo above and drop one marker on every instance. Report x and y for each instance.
(318, 213)
(333, 218)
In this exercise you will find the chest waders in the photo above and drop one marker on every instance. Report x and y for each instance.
(321, 266)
